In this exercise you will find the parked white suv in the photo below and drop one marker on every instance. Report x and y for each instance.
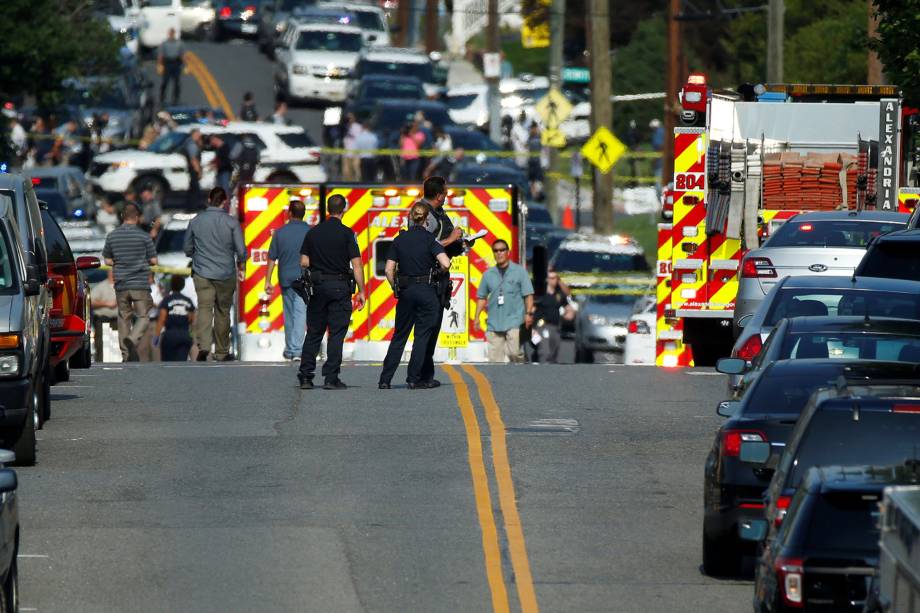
(155, 18)
(287, 155)
(370, 18)
(316, 61)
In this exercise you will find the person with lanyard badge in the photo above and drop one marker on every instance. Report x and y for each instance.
(419, 255)
(176, 315)
(333, 261)
(434, 193)
(507, 291)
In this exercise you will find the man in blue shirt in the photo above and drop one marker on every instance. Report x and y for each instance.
(285, 252)
(507, 294)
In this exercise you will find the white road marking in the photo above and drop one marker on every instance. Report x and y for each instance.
(74, 375)
(70, 387)
(112, 368)
(703, 374)
(32, 555)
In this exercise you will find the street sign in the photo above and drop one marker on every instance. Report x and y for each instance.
(535, 26)
(603, 149)
(553, 138)
(491, 65)
(576, 74)
(577, 168)
(553, 109)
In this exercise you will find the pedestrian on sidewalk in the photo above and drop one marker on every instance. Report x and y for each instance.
(214, 241)
(507, 294)
(534, 162)
(130, 252)
(284, 252)
(549, 311)
(408, 146)
(351, 167)
(175, 317)
(170, 62)
(366, 142)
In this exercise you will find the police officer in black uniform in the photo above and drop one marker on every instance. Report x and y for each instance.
(434, 193)
(420, 257)
(330, 252)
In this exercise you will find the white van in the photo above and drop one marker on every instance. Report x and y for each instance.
(155, 19)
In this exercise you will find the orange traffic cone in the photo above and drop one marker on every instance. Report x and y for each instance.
(568, 218)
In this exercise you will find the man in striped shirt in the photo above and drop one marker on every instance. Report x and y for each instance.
(130, 252)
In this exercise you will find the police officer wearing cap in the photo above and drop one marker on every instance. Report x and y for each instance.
(330, 252)
(434, 193)
(419, 256)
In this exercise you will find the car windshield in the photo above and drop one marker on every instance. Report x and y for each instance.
(370, 20)
(102, 95)
(840, 302)
(420, 70)
(57, 204)
(461, 101)
(830, 233)
(391, 89)
(167, 143)
(893, 260)
(599, 261)
(7, 282)
(329, 41)
(537, 214)
(393, 117)
(854, 345)
(844, 522)
(835, 438)
(170, 241)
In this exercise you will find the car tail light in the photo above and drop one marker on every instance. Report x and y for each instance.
(732, 439)
(789, 577)
(638, 327)
(225, 12)
(782, 505)
(752, 268)
(751, 348)
(906, 408)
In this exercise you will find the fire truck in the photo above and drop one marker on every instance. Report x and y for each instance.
(744, 163)
(376, 213)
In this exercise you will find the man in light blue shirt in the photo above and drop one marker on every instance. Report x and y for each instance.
(507, 294)
(285, 251)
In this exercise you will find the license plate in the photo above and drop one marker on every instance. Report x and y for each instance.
(249, 28)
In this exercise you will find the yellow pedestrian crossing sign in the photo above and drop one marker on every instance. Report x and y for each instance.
(603, 149)
(553, 109)
(553, 138)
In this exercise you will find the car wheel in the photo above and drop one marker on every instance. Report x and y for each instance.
(24, 443)
(217, 34)
(62, 371)
(45, 398)
(157, 185)
(583, 356)
(84, 357)
(721, 557)
(11, 588)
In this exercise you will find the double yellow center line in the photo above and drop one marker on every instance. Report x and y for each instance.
(208, 84)
(513, 529)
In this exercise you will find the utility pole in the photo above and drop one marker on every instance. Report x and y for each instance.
(601, 107)
(556, 39)
(776, 10)
(672, 86)
(876, 74)
(494, 46)
(403, 11)
(431, 26)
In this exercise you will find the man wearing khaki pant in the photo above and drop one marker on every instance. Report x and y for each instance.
(214, 241)
(130, 252)
(506, 292)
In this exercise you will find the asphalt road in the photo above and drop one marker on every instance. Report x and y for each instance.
(225, 488)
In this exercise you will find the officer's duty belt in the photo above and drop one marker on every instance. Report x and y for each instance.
(319, 276)
(406, 279)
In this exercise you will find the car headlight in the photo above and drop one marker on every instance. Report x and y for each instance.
(597, 320)
(299, 69)
(281, 27)
(121, 164)
(338, 71)
(9, 365)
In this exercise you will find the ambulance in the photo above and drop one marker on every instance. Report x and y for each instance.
(376, 213)
(746, 162)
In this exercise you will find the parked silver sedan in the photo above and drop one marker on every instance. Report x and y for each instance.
(825, 243)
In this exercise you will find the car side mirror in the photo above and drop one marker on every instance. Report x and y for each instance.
(754, 452)
(8, 480)
(745, 320)
(753, 530)
(728, 408)
(732, 366)
(87, 262)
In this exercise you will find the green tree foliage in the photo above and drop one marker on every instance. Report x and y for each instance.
(639, 67)
(898, 44)
(47, 41)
